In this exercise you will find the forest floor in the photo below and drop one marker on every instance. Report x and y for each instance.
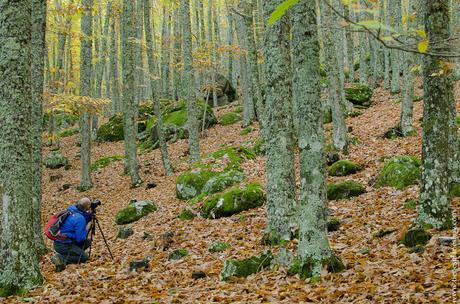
(379, 270)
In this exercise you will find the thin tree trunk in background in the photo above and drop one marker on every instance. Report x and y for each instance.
(331, 67)
(438, 114)
(350, 46)
(139, 61)
(395, 22)
(189, 83)
(313, 246)
(18, 248)
(114, 78)
(129, 99)
(177, 53)
(281, 206)
(363, 50)
(154, 84)
(230, 43)
(85, 91)
(387, 52)
(38, 61)
(166, 54)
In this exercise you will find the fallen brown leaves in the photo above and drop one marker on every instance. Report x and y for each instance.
(379, 270)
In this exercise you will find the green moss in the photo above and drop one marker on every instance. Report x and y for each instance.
(246, 267)
(333, 224)
(105, 161)
(399, 172)
(112, 130)
(135, 211)
(186, 215)
(56, 160)
(246, 131)
(393, 133)
(416, 98)
(455, 191)
(238, 109)
(124, 232)
(410, 204)
(327, 117)
(384, 232)
(415, 236)
(333, 264)
(218, 247)
(295, 267)
(344, 190)
(354, 114)
(10, 290)
(178, 254)
(178, 118)
(68, 132)
(229, 118)
(191, 183)
(359, 94)
(343, 168)
(222, 181)
(233, 201)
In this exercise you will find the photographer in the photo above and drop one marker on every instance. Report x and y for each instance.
(75, 227)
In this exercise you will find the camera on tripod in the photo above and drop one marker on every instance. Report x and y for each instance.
(95, 204)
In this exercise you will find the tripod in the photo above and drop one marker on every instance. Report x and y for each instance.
(95, 222)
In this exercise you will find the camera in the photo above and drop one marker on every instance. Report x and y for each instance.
(95, 204)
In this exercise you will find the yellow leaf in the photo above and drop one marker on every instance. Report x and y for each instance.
(422, 34)
(423, 46)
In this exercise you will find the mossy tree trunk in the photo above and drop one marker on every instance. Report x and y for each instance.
(189, 83)
(85, 91)
(166, 54)
(281, 206)
(332, 70)
(18, 249)
(38, 56)
(114, 78)
(177, 53)
(129, 98)
(350, 45)
(154, 86)
(313, 247)
(434, 208)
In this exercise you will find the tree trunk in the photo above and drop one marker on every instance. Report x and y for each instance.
(18, 249)
(281, 207)
(114, 79)
(129, 99)
(38, 56)
(438, 116)
(193, 125)
(166, 54)
(395, 19)
(85, 91)
(314, 249)
(154, 85)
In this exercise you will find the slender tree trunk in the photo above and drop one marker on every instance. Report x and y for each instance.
(189, 83)
(38, 56)
(350, 46)
(387, 52)
(177, 87)
(435, 209)
(363, 50)
(281, 206)
(154, 87)
(18, 244)
(230, 42)
(166, 54)
(331, 66)
(395, 18)
(129, 99)
(114, 79)
(314, 249)
(85, 91)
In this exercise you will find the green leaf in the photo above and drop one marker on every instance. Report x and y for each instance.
(281, 10)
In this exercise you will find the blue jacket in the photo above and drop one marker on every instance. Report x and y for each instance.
(75, 225)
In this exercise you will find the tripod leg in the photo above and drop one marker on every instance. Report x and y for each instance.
(93, 231)
(103, 237)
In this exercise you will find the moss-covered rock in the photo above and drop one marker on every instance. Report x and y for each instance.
(343, 168)
(186, 215)
(178, 254)
(256, 146)
(112, 130)
(334, 265)
(399, 172)
(415, 236)
(190, 184)
(135, 211)
(218, 247)
(359, 94)
(246, 131)
(222, 181)
(344, 190)
(56, 160)
(410, 204)
(124, 232)
(105, 161)
(229, 118)
(246, 267)
(68, 132)
(455, 191)
(234, 201)
(333, 224)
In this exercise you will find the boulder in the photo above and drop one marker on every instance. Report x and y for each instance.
(112, 130)
(233, 201)
(191, 183)
(226, 93)
(343, 168)
(399, 172)
(178, 254)
(415, 236)
(56, 160)
(229, 118)
(245, 267)
(359, 94)
(135, 211)
(222, 181)
(344, 190)
(139, 264)
(125, 232)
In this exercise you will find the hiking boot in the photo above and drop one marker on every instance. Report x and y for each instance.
(58, 262)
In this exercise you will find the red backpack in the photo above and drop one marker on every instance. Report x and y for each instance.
(53, 227)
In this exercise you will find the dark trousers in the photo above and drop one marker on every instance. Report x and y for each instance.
(73, 253)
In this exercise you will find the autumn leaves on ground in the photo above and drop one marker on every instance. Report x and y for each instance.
(378, 268)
